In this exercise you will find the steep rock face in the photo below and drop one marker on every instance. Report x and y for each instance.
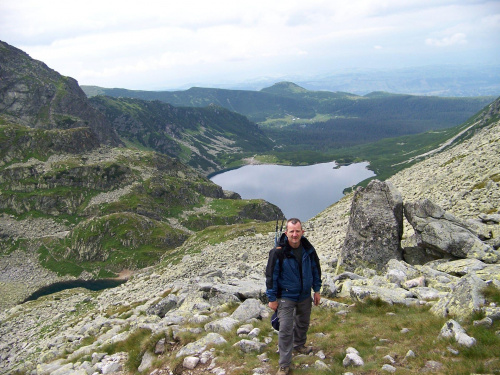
(34, 95)
(375, 227)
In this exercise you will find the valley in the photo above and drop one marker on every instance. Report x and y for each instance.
(94, 188)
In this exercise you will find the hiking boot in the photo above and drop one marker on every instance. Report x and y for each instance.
(283, 370)
(306, 350)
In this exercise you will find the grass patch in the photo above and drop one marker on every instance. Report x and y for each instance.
(492, 295)
(120, 310)
(374, 328)
(135, 345)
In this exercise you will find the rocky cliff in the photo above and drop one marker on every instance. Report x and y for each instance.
(34, 95)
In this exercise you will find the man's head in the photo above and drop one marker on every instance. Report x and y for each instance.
(294, 232)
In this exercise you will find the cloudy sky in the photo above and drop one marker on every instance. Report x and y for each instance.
(167, 44)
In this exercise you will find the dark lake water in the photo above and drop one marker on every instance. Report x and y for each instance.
(301, 192)
(90, 284)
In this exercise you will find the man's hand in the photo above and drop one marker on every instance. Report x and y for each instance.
(273, 305)
(317, 298)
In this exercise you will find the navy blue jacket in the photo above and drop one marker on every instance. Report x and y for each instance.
(285, 278)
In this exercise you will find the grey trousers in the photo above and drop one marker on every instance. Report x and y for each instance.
(294, 322)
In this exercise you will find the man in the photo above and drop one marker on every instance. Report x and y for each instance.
(292, 270)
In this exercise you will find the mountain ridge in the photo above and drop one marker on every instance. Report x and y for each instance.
(276, 102)
(203, 137)
(34, 95)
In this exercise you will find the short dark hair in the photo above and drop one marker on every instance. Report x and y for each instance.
(294, 221)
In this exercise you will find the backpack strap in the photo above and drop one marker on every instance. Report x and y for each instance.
(315, 258)
(280, 253)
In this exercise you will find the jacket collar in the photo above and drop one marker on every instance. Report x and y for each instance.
(283, 242)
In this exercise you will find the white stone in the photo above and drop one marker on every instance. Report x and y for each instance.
(388, 368)
(353, 359)
(190, 362)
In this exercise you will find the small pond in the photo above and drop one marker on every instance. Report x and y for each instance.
(87, 284)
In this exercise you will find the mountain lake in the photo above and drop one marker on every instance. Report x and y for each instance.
(87, 284)
(299, 191)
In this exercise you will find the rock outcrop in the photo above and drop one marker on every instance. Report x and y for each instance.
(375, 227)
(374, 233)
(441, 234)
(34, 95)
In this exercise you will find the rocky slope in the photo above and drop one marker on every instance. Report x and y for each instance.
(192, 289)
(75, 203)
(463, 180)
(91, 213)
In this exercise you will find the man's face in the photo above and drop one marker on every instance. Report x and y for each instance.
(294, 232)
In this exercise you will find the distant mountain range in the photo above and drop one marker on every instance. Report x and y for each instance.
(294, 117)
(433, 80)
(438, 80)
(284, 99)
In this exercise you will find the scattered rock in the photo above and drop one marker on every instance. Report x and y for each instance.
(454, 330)
(147, 361)
(465, 299)
(249, 346)
(388, 368)
(200, 345)
(190, 362)
(352, 358)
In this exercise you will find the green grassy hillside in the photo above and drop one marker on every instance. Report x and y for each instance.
(286, 104)
(204, 138)
(113, 208)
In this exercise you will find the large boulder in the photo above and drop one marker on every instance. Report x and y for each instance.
(441, 234)
(375, 227)
(465, 299)
(249, 309)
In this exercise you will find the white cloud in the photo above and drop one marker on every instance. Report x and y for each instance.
(447, 41)
(154, 42)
